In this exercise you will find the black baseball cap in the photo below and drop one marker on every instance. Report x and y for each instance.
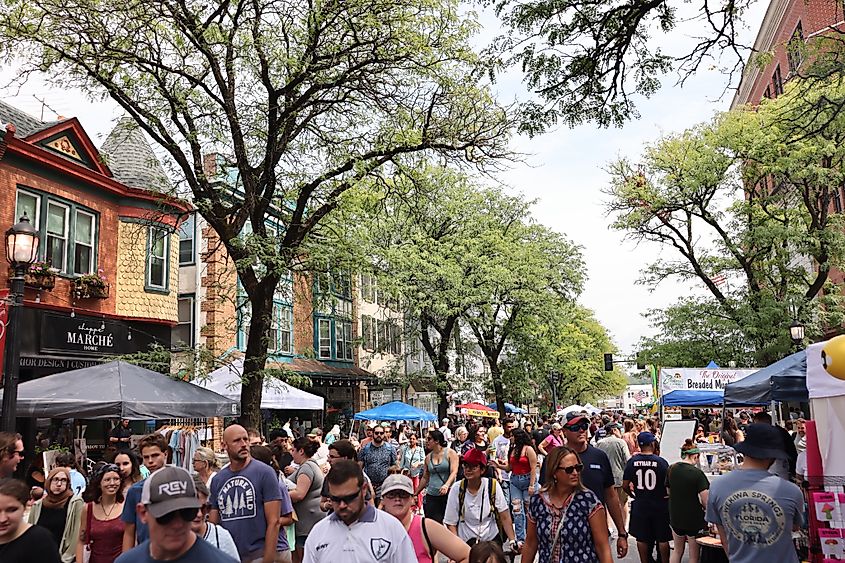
(762, 441)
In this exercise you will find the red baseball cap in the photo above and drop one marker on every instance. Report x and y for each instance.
(475, 457)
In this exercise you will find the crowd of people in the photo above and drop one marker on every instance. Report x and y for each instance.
(555, 491)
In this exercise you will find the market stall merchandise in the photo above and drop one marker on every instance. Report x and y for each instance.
(119, 390)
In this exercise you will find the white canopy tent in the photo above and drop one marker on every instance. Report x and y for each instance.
(226, 381)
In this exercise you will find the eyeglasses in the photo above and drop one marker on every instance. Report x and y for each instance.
(580, 427)
(569, 469)
(471, 466)
(392, 495)
(378, 433)
(60, 481)
(347, 499)
(186, 514)
(335, 456)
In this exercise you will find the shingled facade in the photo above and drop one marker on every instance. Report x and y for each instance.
(109, 249)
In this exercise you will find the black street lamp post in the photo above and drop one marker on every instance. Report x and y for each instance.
(21, 251)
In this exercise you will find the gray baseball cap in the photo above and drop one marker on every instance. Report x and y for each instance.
(169, 489)
(397, 482)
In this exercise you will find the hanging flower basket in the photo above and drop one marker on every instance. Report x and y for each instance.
(91, 286)
(38, 276)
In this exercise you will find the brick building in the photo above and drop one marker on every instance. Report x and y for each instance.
(313, 331)
(785, 21)
(100, 213)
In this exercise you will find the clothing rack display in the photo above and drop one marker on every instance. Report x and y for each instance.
(183, 438)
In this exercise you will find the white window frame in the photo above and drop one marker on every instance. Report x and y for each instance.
(91, 244)
(285, 328)
(324, 339)
(192, 218)
(63, 266)
(151, 232)
(34, 221)
(190, 322)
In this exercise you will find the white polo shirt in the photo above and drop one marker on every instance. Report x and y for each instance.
(376, 537)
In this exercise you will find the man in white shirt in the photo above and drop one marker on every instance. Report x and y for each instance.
(502, 445)
(447, 433)
(321, 458)
(356, 531)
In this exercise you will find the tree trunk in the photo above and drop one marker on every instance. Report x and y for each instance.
(498, 390)
(255, 358)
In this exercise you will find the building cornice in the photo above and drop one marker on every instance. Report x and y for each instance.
(764, 42)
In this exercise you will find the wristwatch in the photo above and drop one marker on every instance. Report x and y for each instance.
(624, 535)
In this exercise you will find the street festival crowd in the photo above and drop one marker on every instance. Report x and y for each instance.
(567, 490)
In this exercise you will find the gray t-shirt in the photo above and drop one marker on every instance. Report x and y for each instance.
(240, 498)
(618, 454)
(308, 510)
(200, 552)
(758, 511)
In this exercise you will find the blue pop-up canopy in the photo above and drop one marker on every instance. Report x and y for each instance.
(686, 398)
(395, 410)
(509, 408)
(784, 380)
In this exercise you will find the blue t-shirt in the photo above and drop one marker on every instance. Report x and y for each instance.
(758, 511)
(647, 474)
(200, 552)
(240, 497)
(130, 515)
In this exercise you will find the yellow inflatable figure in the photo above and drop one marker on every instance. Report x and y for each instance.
(833, 357)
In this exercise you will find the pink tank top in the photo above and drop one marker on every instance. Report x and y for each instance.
(416, 534)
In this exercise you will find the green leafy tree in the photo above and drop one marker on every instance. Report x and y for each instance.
(586, 60)
(691, 333)
(750, 197)
(431, 243)
(557, 353)
(301, 101)
(532, 268)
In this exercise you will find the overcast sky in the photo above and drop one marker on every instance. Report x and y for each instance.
(564, 171)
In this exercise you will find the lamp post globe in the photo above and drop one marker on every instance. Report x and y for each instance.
(796, 332)
(21, 251)
(22, 243)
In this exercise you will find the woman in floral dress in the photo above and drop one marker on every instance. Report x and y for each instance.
(566, 522)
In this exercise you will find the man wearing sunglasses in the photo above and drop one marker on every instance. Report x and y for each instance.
(11, 453)
(356, 531)
(168, 506)
(376, 458)
(597, 475)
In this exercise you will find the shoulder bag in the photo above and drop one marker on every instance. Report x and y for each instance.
(86, 549)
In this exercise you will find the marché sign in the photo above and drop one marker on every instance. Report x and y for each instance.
(81, 335)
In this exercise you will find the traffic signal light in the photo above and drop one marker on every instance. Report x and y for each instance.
(608, 362)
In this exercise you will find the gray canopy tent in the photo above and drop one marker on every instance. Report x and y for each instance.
(119, 390)
(783, 381)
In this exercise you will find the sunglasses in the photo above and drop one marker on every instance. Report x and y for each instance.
(580, 427)
(378, 433)
(392, 495)
(569, 469)
(471, 466)
(186, 514)
(18, 453)
(347, 499)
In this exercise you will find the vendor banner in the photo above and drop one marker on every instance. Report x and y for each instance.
(699, 379)
(826, 368)
(478, 412)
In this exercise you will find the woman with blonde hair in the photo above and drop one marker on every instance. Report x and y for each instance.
(205, 464)
(566, 521)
